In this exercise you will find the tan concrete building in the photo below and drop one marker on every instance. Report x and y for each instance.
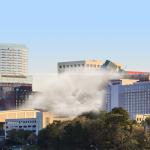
(30, 119)
(79, 65)
(13, 59)
(43, 117)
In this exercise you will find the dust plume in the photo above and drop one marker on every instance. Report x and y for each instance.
(71, 93)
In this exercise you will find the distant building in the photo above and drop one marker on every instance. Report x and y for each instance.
(112, 66)
(14, 95)
(135, 98)
(15, 84)
(89, 65)
(33, 120)
(13, 60)
(28, 113)
(30, 124)
(22, 94)
(79, 65)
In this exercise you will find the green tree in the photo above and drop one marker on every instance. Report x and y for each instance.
(120, 129)
(48, 138)
(18, 137)
(32, 139)
(103, 130)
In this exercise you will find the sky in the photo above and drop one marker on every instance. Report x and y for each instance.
(67, 30)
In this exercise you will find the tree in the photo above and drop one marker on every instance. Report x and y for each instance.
(48, 138)
(18, 137)
(119, 128)
(32, 139)
(103, 130)
(120, 111)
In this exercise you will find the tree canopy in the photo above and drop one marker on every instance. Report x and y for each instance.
(103, 130)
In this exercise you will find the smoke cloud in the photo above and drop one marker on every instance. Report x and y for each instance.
(70, 93)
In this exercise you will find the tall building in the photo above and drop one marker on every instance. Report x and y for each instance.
(15, 83)
(13, 60)
(79, 65)
(135, 97)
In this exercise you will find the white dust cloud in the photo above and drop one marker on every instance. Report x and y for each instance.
(71, 94)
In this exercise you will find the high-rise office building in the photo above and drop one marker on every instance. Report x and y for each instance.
(13, 60)
(135, 97)
(15, 83)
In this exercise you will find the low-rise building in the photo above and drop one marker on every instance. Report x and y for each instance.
(32, 119)
(30, 124)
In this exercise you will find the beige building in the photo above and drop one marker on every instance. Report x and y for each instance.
(43, 117)
(79, 65)
(128, 81)
(30, 119)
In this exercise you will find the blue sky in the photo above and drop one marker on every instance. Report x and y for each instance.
(61, 30)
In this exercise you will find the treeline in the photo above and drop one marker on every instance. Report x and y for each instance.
(101, 131)
(90, 131)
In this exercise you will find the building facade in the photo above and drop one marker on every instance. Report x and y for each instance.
(13, 60)
(46, 117)
(29, 124)
(32, 120)
(14, 95)
(135, 98)
(79, 65)
(22, 93)
(15, 83)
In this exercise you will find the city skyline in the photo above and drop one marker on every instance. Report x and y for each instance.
(56, 31)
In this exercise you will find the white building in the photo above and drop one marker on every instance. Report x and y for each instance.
(13, 60)
(30, 124)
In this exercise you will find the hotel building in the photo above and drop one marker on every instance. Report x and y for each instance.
(133, 97)
(79, 65)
